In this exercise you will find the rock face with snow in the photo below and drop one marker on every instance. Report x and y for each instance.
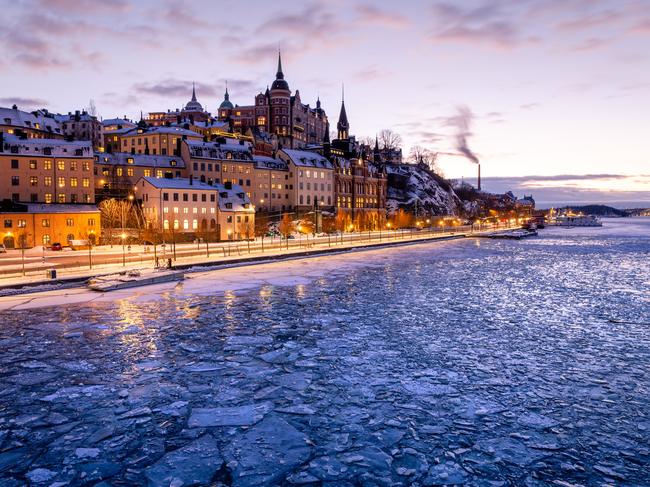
(411, 186)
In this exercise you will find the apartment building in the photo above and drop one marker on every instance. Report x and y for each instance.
(36, 170)
(192, 208)
(312, 177)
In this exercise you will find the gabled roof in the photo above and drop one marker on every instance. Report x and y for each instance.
(307, 159)
(47, 147)
(20, 118)
(122, 158)
(177, 183)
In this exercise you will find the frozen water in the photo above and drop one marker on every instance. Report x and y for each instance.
(477, 362)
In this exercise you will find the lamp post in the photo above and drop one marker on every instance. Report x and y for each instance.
(123, 249)
(90, 245)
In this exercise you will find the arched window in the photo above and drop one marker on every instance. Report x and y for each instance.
(301, 202)
(186, 225)
(166, 224)
(176, 225)
(195, 224)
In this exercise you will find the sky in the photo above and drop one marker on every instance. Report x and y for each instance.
(558, 91)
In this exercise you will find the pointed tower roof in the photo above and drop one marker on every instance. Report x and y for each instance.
(280, 83)
(193, 105)
(226, 103)
(343, 116)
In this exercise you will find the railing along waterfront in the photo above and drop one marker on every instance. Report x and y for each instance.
(70, 262)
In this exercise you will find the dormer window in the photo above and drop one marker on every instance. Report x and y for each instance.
(223, 194)
(241, 195)
(229, 205)
(129, 160)
(172, 162)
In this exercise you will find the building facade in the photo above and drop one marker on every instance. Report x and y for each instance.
(278, 112)
(33, 125)
(36, 170)
(117, 173)
(187, 206)
(312, 178)
(80, 125)
(31, 225)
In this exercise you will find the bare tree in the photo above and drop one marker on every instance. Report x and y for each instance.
(427, 157)
(286, 227)
(248, 230)
(389, 139)
(110, 216)
(92, 109)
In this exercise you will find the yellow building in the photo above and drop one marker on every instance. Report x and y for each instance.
(46, 170)
(312, 178)
(154, 140)
(272, 190)
(31, 225)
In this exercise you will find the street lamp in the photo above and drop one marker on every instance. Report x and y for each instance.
(123, 249)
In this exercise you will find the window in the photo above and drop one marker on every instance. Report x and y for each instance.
(85, 166)
(186, 225)
(15, 180)
(85, 182)
(22, 223)
(60, 165)
(14, 164)
(129, 171)
(61, 198)
(33, 197)
(33, 180)
(147, 173)
(91, 222)
(175, 196)
(9, 223)
(229, 219)
(47, 165)
(86, 198)
(73, 165)
(73, 182)
(33, 165)
(159, 173)
(165, 196)
(195, 224)
(48, 197)
(195, 197)
(69, 222)
(45, 223)
(119, 171)
(185, 197)
(166, 224)
(46, 239)
(61, 182)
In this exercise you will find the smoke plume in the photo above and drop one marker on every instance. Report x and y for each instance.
(463, 121)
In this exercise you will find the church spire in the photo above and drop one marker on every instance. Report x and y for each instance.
(193, 91)
(226, 96)
(279, 74)
(343, 126)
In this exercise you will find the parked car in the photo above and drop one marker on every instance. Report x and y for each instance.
(56, 246)
(3, 249)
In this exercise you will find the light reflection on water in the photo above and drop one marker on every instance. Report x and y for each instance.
(478, 340)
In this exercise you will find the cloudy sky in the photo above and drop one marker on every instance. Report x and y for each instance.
(556, 87)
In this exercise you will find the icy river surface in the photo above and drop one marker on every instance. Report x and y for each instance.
(474, 362)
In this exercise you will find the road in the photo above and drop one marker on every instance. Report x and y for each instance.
(36, 261)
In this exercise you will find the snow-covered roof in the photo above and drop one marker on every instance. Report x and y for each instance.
(234, 199)
(118, 121)
(307, 159)
(162, 130)
(20, 118)
(215, 150)
(178, 183)
(74, 117)
(267, 162)
(128, 159)
(47, 147)
(61, 208)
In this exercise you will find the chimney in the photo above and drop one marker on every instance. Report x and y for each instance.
(191, 180)
(227, 185)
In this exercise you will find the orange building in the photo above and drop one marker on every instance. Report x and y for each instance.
(31, 225)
